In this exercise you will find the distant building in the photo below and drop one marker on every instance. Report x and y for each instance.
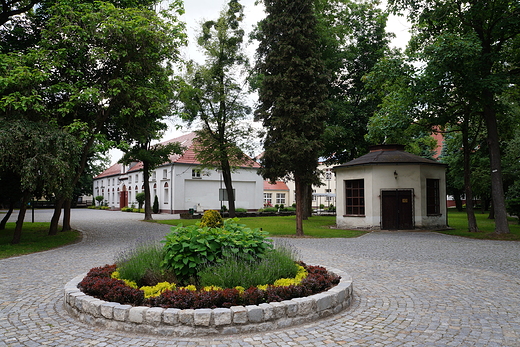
(180, 184)
(391, 189)
(276, 194)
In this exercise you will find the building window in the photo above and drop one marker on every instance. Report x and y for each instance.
(328, 175)
(280, 198)
(355, 197)
(195, 173)
(166, 196)
(433, 202)
(164, 174)
(328, 197)
(313, 195)
(268, 199)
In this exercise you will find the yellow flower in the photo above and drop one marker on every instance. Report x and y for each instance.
(208, 288)
(158, 289)
(190, 287)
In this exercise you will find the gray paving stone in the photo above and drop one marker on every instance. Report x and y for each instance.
(410, 289)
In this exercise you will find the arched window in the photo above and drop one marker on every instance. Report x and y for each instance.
(166, 191)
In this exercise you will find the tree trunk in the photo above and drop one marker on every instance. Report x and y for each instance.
(299, 205)
(66, 215)
(307, 197)
(491, 212)
(458, 200)
(7, 215)
(53, 229)
(497, 188)
(147, 195)
(470, 212)
(228, 183)
(17, 236)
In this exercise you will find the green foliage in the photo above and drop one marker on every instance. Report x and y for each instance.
(234, 271)
(352, 39)
(99, 199)
(513, 200)
(139, 197)
(143, 264)
(155, 208)
(213, 93)
(189, 247)
(211, 219)
(241, 210)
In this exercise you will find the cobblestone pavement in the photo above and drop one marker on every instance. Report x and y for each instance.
(412, 289)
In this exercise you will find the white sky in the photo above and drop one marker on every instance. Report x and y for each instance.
(197, 11)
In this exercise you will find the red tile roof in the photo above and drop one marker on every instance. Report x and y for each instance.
(188, 157)
(279, 185)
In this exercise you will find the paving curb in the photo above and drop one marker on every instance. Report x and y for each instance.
(202, 322)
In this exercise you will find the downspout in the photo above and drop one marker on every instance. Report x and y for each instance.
(171, 189)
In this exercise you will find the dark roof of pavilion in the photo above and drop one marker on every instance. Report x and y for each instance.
(389, 154)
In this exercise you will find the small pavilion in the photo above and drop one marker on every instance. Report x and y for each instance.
(390, 189)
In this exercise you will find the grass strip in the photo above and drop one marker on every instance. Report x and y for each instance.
(459, 222)
(35, 238)
(285, 226)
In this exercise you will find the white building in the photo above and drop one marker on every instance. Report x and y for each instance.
(180, 184)
(391, 189)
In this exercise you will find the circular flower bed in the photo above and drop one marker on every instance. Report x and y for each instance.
(101, 283)
(152, 289)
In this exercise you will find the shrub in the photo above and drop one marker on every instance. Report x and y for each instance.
(139, 197)
(234, 271)
(211, 219)
(188, 247)
(127, 209)
(142, 264)
(155, 207)
(241, 210)
(270, 209)
(99, 199)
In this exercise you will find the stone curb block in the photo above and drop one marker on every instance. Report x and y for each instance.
(201, 322)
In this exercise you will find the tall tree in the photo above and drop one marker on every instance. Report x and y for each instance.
(103, 64)
(213, 94)
(292, 94)
(42, 156)
(353, 38)
(490, 31)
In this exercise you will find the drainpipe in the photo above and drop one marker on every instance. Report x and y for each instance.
(171, 189)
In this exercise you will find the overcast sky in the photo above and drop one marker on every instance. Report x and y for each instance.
(197, 11)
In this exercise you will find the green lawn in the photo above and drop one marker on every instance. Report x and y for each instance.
(34, 239)
(317, 226)
(459, 222)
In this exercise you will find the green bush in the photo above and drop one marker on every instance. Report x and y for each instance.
(241, 210)
(155, 207)
(212, 219)
(127, 209)
(99, 199)
(143, 264)
(186, 248)
(234, 271)
(270, 209)
(139, 197)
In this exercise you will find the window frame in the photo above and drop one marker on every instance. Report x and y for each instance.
(355, 201)
(433, 197)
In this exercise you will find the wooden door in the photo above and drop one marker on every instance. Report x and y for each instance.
(396, 210)
(123, 198)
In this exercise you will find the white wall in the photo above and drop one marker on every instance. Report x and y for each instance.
(382, 177)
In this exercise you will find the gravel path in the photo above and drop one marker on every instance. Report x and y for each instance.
(412, 289)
